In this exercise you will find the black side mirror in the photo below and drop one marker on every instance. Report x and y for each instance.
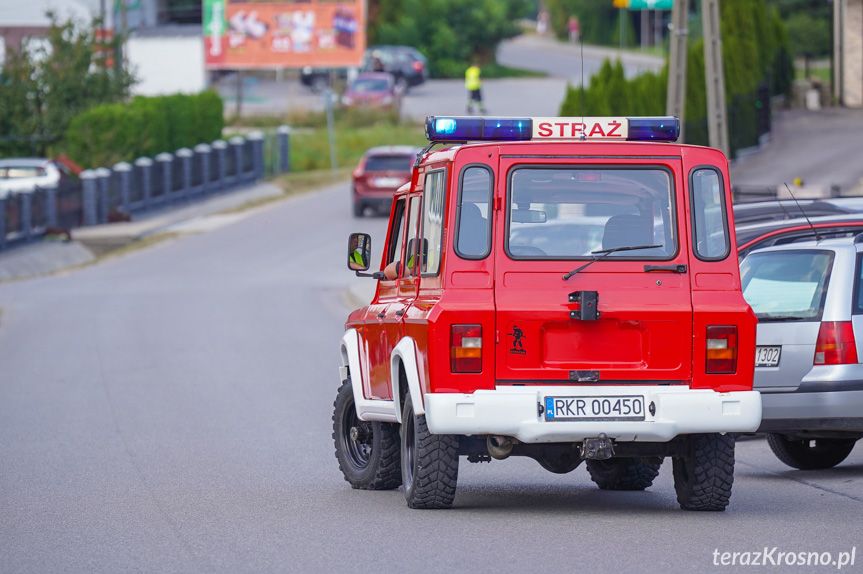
(359, 251)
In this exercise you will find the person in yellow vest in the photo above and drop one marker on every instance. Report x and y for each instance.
(474, 88)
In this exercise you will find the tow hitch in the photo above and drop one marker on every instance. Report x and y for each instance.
(599, 448)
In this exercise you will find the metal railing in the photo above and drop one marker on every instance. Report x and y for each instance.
(106, 195)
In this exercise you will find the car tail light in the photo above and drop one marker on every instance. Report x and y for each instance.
(466, 349)
(417, 65)
(835, 344)
(721, 349)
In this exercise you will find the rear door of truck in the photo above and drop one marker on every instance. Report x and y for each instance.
(626, 316)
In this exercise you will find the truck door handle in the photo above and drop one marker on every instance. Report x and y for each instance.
(671, 268)
(400, 312)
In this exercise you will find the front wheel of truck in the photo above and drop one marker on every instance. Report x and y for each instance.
(368, 452)
(429, 462)
(703, 474)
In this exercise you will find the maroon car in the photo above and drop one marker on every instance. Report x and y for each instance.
(372, 90)
(381, 171)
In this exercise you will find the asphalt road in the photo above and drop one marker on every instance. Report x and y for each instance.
(169, 411)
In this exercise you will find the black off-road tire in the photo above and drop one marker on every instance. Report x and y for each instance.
(810, 454)
(704, 474)
(429, 462)
(371, 461)
(630, 473)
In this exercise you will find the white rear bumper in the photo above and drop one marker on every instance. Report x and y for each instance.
(515, 412)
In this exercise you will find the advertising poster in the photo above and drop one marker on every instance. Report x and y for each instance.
(319, 33)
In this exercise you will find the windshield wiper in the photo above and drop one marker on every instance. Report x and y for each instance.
(768, 318)
(606, 253)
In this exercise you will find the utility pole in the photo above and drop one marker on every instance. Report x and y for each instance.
(676, 102)
(717, 123)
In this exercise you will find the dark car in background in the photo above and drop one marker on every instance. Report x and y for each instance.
(381, 171)
(407, 65)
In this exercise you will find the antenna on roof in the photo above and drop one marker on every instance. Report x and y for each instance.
(814, 232)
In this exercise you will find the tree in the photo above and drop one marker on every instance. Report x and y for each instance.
(50, 80)
(808, 23)
(449, 32)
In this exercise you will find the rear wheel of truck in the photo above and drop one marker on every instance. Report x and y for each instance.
(810, 454)
(704, 473)
(368, 452)
(429, 462)
(630, 473)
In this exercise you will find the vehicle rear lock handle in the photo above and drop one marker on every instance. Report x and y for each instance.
(671, 268)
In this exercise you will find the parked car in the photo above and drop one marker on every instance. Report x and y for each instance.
(372, 90)
(784, 209)
(381, 171)
(808, 297)
(24, 174)
(758, 235)
(407, 65)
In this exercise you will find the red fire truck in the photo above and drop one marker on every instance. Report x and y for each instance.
(565, 289)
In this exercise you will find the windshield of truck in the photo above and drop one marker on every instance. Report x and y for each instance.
(571, 213)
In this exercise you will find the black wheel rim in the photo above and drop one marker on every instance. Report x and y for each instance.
(359, 451)
(409, 451)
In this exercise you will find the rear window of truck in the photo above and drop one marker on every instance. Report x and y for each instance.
(571, 213)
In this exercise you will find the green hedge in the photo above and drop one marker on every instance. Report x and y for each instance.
(107, 134)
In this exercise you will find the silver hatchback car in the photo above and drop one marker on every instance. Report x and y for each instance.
(808, 297)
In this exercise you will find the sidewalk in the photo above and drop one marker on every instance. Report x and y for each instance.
(88, 243)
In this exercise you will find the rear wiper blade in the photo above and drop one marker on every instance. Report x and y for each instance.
(778, 318)
(606, 253)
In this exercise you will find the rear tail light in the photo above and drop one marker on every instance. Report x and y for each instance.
(721, 350)
(466, 349)
(835, 344)
(417, 65)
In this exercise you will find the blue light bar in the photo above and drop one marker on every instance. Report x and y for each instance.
(477, 128)
(473, 128)
(666, 129)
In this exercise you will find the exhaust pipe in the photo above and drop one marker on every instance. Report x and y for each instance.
(499, 447)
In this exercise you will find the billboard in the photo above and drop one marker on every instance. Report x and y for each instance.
(242, 34)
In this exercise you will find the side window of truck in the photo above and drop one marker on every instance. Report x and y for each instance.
(474, 215)
(415, 252)
(709, 215)
(394, 242)
(433, 216)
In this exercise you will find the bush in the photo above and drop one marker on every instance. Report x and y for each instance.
(105, 135)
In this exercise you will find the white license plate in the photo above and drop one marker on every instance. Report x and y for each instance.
(388, 182)
(767, 356)
(616, 408)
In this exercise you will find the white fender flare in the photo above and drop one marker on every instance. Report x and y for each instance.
(367, 409)
(406, 352)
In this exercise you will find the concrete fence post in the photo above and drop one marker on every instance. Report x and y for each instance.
(145, 164)
(284, 137)
(27, 215)
(2, 223)
(90, 191)
(204, 152)
(220, 147)
(256, 139)
(51, 205)
(185, 155)
(103, 176)
(237, 144)
(124, 171)
(165, 161)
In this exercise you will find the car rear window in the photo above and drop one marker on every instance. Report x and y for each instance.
(786, 285)
(573, 213)
(389, 163)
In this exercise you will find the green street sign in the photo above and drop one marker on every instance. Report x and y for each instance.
(650, 4)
